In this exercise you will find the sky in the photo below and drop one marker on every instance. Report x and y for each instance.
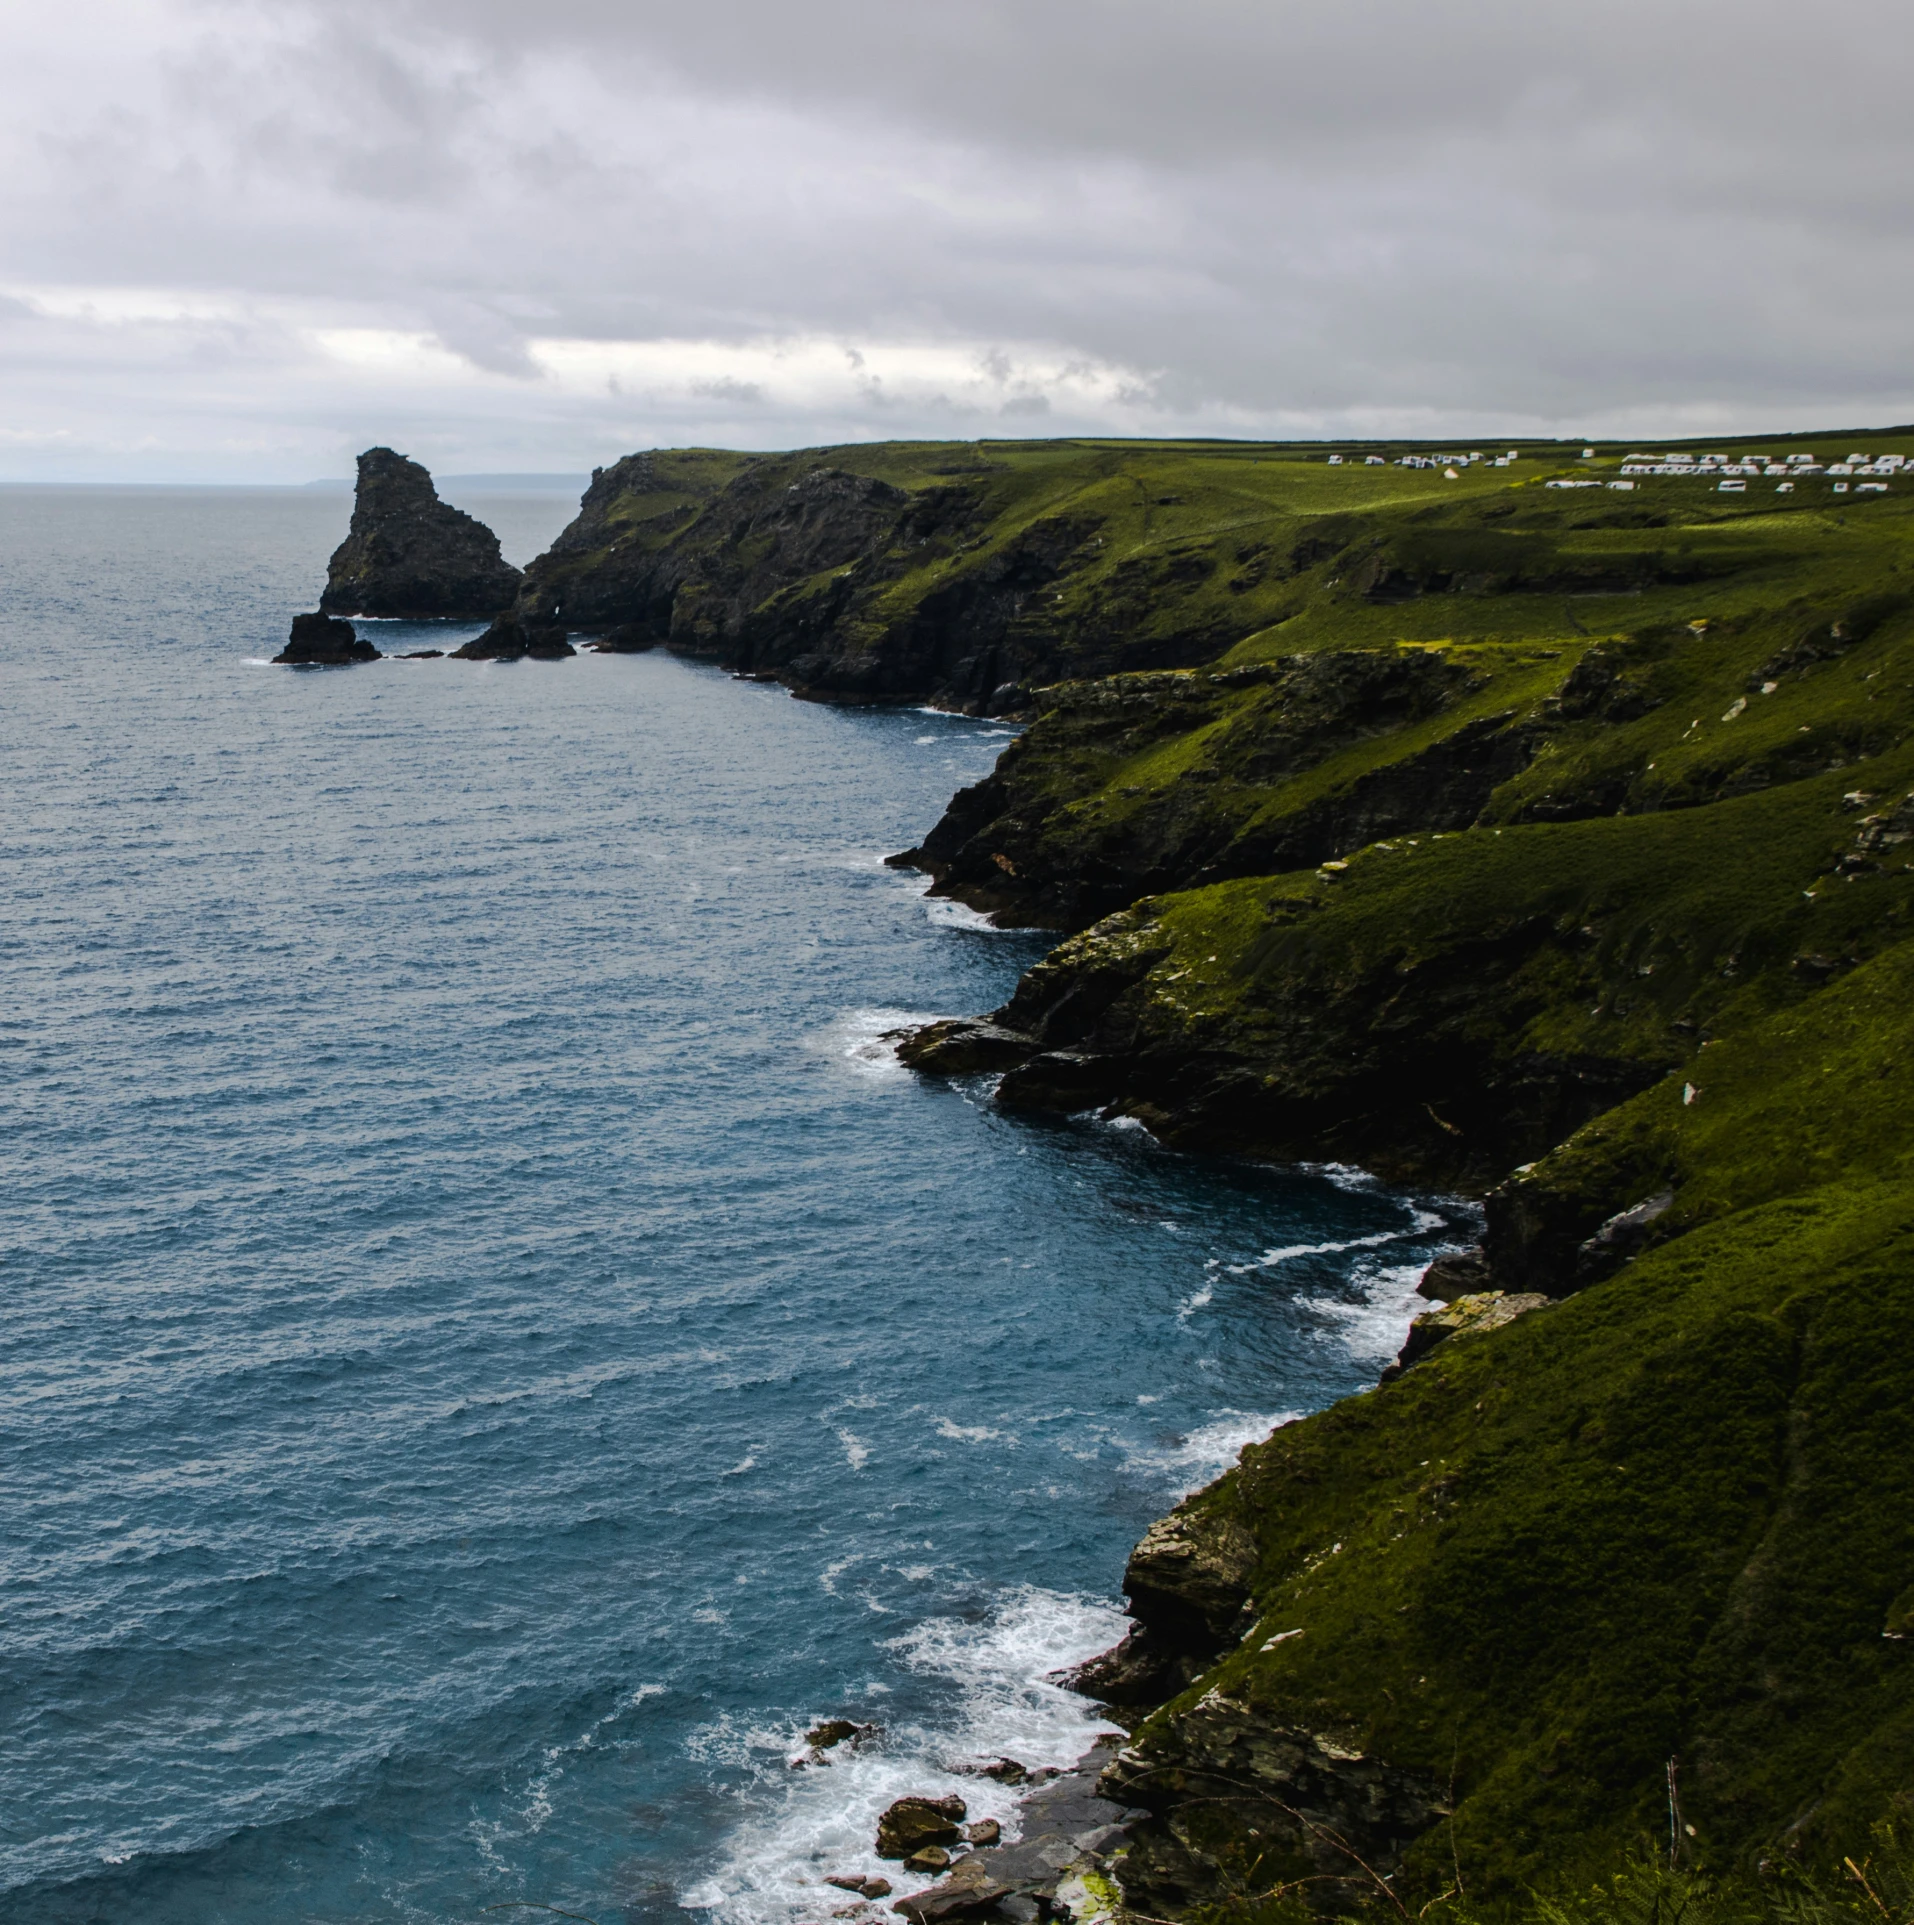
(243, 239)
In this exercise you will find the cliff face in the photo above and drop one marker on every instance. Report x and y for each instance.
(411, 556)
(1562, 852)
(898, 573)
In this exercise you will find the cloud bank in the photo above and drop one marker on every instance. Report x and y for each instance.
(245, 238)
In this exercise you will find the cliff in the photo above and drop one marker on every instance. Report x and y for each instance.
(921, 572)
(1555, 848)
(411, 556)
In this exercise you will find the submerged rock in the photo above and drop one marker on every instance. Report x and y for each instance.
(511, 640)
(838, 1731)
(412, 556)
(322, 641)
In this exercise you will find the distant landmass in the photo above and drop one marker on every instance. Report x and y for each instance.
(480, 484)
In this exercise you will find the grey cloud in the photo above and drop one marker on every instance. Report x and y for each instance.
(1270, 217)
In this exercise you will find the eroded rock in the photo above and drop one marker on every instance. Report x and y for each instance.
(1467, 1316)
(511, 640)
(323, 641)
(964, 1047)
(412, 556)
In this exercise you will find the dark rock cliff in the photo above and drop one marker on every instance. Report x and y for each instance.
(410, 555)
(845, 586)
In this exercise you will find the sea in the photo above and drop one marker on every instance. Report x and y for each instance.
(494, 1346)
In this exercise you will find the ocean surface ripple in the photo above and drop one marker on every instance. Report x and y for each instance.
(494, 1344)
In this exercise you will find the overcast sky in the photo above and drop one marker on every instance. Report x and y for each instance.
(243, 239)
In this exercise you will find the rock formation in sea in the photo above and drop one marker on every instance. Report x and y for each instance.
(410, 555)
(511, 640)
(323, 641)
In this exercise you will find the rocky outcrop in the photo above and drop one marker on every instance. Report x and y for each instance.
(1187, 1583)
(511, 640)
(1240, 1802)
(911, 1824)
(322, 641)
(410, 555)
(1467, 1316)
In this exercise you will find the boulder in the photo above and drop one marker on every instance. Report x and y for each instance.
(986, 1831)
(847, 1881)
(1626, 1234)
(876, 1888)
(932, 1858)
(321, 641)
(511, 640)
(1006, 1771)
(1462, 1273)
(912, 1823)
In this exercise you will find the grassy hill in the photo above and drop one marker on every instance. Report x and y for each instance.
(1554, 844)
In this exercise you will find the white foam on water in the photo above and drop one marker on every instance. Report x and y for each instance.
(1422, 1221)
(967, 1433)
(1195, 1301)
(857, 1453)
(864, 1041)
(1374, 1324)
(1210, 1449)
(948, 914)
(808, 1823)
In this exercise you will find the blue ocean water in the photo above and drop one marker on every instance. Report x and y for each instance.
(494, 1345)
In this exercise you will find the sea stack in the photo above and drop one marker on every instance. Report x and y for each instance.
(323, 641)
(411, 556)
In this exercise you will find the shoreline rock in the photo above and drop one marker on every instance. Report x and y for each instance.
(1071, 1833)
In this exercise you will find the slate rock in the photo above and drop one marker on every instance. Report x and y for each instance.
(628, 638)
(322, 641)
